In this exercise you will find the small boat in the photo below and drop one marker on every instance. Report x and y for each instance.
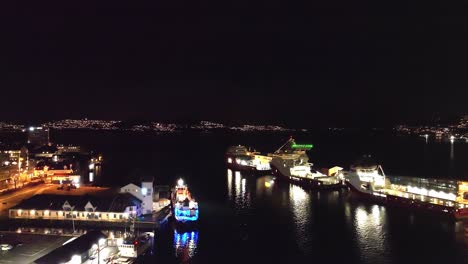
(133, 246)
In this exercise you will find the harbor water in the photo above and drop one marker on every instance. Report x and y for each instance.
(257, 219)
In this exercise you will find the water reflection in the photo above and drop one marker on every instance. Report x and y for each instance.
(299, 201)
(185, 245)
(370, 232)
(452, 152)
(241, 195)
(229, 183)
(265, 185)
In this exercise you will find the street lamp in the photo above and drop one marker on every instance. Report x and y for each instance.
(98, 248)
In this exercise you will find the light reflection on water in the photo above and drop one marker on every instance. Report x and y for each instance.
(241, 196)
(185, 245)
(229, 183)
(371, 236)
(264, 186)
(299, 201)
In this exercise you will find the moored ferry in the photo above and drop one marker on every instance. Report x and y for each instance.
(184, 207)
(290, 162)
(242, 159)
(437, 195)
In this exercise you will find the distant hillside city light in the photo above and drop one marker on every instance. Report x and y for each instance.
(90, 124)
(454, 131)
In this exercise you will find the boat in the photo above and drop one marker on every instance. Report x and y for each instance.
(133, 246)
(184, 207)
(444, 196)
(291, 162)
(240, 158)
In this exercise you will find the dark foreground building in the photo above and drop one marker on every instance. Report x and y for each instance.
(76, 251)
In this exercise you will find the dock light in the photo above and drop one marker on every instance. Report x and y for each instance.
(180, 182)
(31, 128)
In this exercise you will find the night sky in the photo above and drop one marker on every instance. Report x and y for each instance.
(298, 63)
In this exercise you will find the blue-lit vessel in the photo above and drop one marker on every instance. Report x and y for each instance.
(184, 207)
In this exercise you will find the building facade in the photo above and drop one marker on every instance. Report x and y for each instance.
(143, 193)
(119, 208)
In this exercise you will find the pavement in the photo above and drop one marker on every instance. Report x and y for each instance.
(11, 199)
(30, 250)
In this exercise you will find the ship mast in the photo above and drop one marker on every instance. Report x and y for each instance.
(289, 140)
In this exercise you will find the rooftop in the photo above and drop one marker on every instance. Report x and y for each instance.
(76, 247)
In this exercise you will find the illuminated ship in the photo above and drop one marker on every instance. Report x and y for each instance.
(439, 195)
(240, 158)
(291, 162)
(185, 208)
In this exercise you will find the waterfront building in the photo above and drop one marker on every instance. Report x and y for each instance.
(117, 208)
(38, 136)
(68, 149)
(144, 193)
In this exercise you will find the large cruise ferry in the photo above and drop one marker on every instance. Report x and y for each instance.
(439, 195)
(291, 162)
(242, 159)
(184, 207)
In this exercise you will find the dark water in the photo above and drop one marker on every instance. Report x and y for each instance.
(247, 219)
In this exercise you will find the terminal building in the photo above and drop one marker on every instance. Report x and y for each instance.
(118, 208)
(131, 201)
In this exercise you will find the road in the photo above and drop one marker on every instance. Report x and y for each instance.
(9, 200)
